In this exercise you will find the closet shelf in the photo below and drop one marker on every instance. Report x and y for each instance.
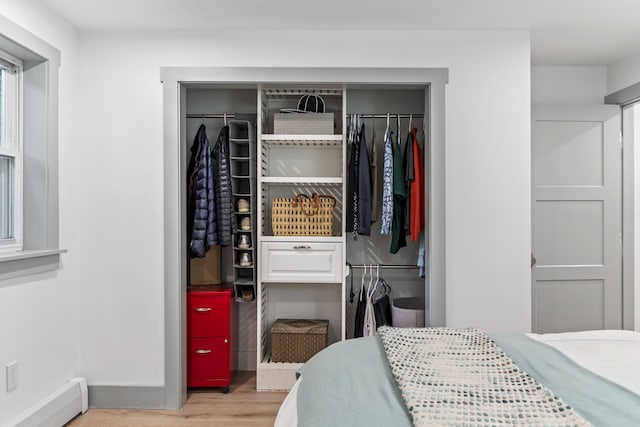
(324, 140)
(301, 180)
(268, 364)
(307, 239)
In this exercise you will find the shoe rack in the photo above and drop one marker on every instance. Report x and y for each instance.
(242, 160)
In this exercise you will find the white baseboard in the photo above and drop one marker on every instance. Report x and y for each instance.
(57, 408)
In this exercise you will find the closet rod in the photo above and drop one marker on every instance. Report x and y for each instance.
(387, 266)
(217, 115)
(391, 116)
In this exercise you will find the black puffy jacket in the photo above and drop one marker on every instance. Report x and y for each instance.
(202, 225)
(224, 203)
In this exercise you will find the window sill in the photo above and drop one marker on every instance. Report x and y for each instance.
(24, 263)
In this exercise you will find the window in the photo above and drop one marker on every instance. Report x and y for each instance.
(29, 234)
(10, 154)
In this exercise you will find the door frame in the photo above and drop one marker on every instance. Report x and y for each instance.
(176, 79)
(629, 170)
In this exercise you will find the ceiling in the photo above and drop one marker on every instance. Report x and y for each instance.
(563, 32)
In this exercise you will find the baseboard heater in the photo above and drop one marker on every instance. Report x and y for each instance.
(57, 408)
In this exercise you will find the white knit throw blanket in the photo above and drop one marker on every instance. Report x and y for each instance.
(460, 377)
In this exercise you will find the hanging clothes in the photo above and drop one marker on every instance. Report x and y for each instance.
(374, 173)
(417, 190)
(382, 311)
(369, 328)
(222, 178)
(352, 183)
(381, 302)
(409, 178)
(360, 308)
(204, 232)
(387, 184)
(398, 237)
(364, 185)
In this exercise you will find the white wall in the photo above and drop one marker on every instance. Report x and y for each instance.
(569, 85)
(119, 159)
(37, 318)
(623, 73)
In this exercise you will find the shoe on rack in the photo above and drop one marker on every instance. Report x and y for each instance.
(243, 242)
(245, 260)
(245, 223)
(243, 205)
(247, 293)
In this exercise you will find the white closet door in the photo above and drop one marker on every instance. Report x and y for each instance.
(577, 218)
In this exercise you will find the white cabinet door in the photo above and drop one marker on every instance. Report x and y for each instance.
(301, 262)
(577, 219)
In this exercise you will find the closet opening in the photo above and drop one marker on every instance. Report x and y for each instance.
(197, 97)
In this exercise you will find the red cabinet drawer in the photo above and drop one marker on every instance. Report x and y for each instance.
(208, 315)
(208, 361)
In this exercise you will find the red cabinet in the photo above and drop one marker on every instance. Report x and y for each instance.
(211, 337)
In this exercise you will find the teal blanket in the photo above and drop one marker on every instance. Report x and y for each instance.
(350, 384)
(596, 399)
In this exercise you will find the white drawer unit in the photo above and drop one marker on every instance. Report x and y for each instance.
(301, 262)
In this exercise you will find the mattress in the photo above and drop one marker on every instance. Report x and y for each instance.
(596, 372)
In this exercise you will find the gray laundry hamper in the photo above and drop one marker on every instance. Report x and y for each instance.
(408, 312)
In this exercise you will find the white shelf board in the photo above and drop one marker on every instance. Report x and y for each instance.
(268, 364)
(301, 180)
(323, 239)
(285, 138)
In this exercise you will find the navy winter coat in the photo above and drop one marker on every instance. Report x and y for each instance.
(222, 172)
(203, 229)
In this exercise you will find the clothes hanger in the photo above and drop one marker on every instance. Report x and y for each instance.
(374, 293)
(385, 285)
(398, 128)
(225, 118)
(410, 121)
(386, 132)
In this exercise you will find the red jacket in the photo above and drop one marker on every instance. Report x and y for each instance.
(416, 218)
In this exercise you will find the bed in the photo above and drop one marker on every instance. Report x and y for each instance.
(463, 377)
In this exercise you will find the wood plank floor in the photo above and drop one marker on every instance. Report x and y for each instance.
(243, 406)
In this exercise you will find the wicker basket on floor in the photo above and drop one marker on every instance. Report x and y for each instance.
(297, 340)
(302, 216)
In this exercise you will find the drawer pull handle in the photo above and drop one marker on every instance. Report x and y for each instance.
(226, 340)
(302, 247)
(203, 309)
(203, 351)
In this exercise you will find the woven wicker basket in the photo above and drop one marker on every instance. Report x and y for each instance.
(297, 340)
(302, 216)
